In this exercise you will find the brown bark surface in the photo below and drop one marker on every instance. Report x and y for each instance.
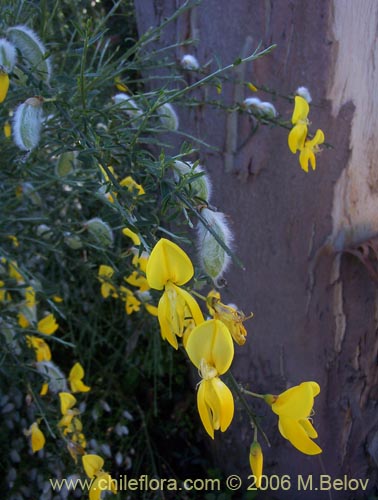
(316, 309)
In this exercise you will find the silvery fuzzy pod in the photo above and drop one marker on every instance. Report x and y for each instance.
(32, 49)
(201, 186)
(168, 116)
(128, 105)
(189, 62)
(305, 93)
(55, 378)
(27, 123)
(100, 232)
(213, 258)
(260, 108)
(66, 163)
(8, 55)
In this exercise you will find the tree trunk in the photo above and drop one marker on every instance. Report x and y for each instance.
(315, 306)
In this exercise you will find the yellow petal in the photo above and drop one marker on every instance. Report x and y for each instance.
(256, 461)
(192, 305)
(168, 262)
(47, 325)
(137, 280)
(75, 379)
(318, 139)
(297, 137)
(153, 310)
(42, 350)
(92, 465)
(296, 434)
(103, 482)
(212, 342)
(44, 389)
(226, 401)
(301, 110)
(307, 155)
(105, 271)
(167, 323)
(67, 401)
(133, 236)
(296, 402)
(4, 85)
(203, 408)
(37, 438)
(309, 428)
(7, 130)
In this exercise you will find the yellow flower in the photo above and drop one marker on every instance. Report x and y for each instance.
(132, 186)
(168, 266)
(294, 408)
(298, 133)
(256, 460)
(4, 294)
(47, 325)
(230, 316)
(4, 85)
(42, 350)
(102, 480)
(57, 299)
(140, 261)
(310, 148)
(67, 401)
(136, 279)
(22, 320)
(14, 240)
(75, 379)
(132, 304)
(37, 437)
(211, 350)
(105, 274)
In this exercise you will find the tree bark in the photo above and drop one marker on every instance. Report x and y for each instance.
(315, 306)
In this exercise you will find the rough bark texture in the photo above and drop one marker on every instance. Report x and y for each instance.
(316, 308)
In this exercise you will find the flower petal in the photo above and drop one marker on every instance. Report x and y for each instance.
(301, 110)
(226, 402)
(47, 325)
(204, 409)
(296, 402)
(164, 313)
(296, 434)
(67, 401)
(168, 262)
(211, 341)
(4, 85)
(92, 465)
(192, 305)
(256, 461)
(297, 137)
(309, 428)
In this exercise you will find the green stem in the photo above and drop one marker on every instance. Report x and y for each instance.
(255, 424)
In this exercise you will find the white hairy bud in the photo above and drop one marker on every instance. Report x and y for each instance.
(305, 93)
(127, 104)
(213, 257)
(201, 186)
(27, 123)
(32, 49)
(168, 116)
(100, 232)
(259, 107)
(189, 62)
(8, 55)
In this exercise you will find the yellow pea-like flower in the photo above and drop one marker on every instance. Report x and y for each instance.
(75, 379)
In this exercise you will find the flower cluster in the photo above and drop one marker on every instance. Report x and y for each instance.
(298, 140)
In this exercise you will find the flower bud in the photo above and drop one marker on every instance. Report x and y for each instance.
(66, 163)
(128, 105)
(201, 186)
(168, 116)
(32, 49)
(27, 123)
(213, 257)
(260, 108)
(55, 378)
(8, 55)
(256, 460)
(100, 232)
(305, 93)
(189, 62)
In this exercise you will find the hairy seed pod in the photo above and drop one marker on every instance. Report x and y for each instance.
(189, 62)
(27, 123)
(54, 377)
(8, 55)
(168, 117)
(127, 104)
(100, 232)
(201, 186)
(213, 257)
(32, 49)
